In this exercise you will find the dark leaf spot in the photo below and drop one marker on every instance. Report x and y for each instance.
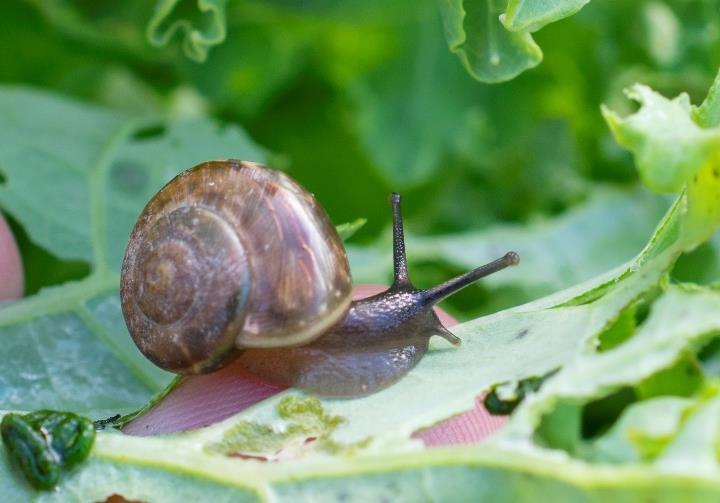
(522, 333)
(149, 132)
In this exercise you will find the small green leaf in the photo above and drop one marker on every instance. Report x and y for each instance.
(347, 229)
(531, 15)
(707, 115)
(489, 52)
(45, 443)
(201, 28)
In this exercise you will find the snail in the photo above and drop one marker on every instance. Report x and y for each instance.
(235, 261)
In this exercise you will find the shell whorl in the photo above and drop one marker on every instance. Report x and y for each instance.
(231, 254)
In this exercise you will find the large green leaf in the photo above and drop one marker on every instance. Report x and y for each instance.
(372, 450)
(104, 167)
(544, 447)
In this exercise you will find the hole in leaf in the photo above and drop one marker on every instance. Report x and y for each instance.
(709, 357)
(598, 416)
(560, 428)
(3, 179)
(683, 379)
(149, 132)
(587, 430)
(42, 268)
(627, 324)
(698, 266)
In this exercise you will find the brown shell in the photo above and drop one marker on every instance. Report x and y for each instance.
(229, 255)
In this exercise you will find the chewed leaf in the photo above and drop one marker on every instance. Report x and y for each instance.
(668, 145)
(488, 50)
(201, 28)
(672, 151)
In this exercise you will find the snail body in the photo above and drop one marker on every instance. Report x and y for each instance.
(232, 260)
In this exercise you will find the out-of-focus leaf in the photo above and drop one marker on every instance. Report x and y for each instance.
(672, 151)
(707, 115)
(695, 447)
(201, 27)
(489, 52)
(531, 15)
(104, 167)
(404, 128)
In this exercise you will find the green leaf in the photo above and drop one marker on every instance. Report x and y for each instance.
(104, 167)
(642, 432)
(680, 320)
(385, 462)
(672, 152)
(201, 28)
(531, 15)
(406, 131)
(347, 229)
(707, 115)
(489, 52)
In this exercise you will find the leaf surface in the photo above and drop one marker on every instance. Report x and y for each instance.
(104, 168)
(531, 15)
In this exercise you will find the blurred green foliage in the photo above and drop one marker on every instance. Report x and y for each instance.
(359, 98)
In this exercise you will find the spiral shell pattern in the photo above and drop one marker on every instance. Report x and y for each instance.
(229, 255)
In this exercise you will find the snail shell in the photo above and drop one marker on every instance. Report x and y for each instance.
(231, 255)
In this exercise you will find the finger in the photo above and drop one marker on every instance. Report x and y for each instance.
(11, 272)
